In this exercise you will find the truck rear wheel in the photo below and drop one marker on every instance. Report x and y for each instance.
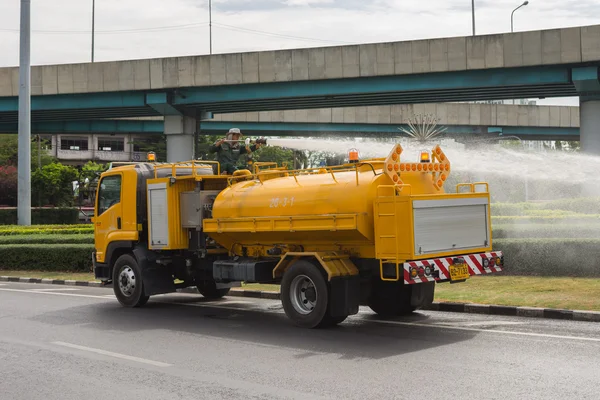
(305, 296)
(391, 299)
(127, 282)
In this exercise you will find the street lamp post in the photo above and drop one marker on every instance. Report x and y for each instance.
(210, 23)
(512, 25)
(24, 140)
(513, 13)
(93, 25)
(473, 15)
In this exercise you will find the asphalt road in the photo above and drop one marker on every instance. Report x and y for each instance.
(59, 342)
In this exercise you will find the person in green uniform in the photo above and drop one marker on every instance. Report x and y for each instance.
(231, 148)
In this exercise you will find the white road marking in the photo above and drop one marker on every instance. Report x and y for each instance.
(54, 293)
(111, 354)
(458, 328)
(218, 306)
(53, 290)
(471, 323)
(230, 302)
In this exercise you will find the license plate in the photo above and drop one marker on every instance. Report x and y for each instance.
(459, 272)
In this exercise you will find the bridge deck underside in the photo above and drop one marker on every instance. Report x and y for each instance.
(304, 102)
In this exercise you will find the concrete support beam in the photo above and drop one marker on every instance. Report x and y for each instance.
(180, 132)
(590, 127)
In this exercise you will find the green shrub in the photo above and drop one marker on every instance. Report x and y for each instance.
(572, 231)
(47, 239)
(47, 257)
(558, 219)
(551, 257)
(552, 213)
(7, 230)
(508, 209)
(8, 216)
(584, 205)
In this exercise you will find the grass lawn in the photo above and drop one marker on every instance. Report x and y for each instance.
(567, 293)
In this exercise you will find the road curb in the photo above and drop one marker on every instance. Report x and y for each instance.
(50, 281)
(489, 309)
(530, 312)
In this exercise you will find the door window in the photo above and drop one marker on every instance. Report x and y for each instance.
(109, 193)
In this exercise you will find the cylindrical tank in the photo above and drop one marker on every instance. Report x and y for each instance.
(347, 192)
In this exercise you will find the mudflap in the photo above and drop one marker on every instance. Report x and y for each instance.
(157, 278)
(422, 294)
(102, 271)
(344, 295)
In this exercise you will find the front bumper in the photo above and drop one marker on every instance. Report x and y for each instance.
(437, 269)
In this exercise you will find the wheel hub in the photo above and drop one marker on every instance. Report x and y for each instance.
(303, 294)
(127, 281)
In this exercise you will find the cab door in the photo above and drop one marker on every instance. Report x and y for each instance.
(108, 218)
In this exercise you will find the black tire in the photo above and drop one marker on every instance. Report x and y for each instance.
(209, 290)
(391, 299)
(313, 313)
(127, 282)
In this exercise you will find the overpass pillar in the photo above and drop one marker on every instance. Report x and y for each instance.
(589, 127)
(180, 131)
(587, 82)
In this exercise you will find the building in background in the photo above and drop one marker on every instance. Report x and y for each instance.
(74, 149)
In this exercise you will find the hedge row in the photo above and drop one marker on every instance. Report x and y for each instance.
(8, 216)
(34, 230)
(48, 239)
(45, 226)
(509, 209)
(47, 257)
(528, 210)
(551, 257)
(585, 205)
(572, 231)
(560, 219)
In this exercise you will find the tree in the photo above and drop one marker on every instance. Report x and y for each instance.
(8, 185)
(89, 174)
(204, 143)
(53, 185)
(275, 154)
(9, 151)
(156, 143)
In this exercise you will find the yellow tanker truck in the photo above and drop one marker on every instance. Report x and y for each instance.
(378, 232)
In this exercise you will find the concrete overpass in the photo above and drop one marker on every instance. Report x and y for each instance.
(462, 120)
(550, 63)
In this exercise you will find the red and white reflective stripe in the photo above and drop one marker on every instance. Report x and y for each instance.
(440, 267)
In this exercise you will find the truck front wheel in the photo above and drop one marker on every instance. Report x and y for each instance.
(305, 296)
(127, 282)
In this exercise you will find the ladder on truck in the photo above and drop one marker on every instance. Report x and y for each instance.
(386, 245)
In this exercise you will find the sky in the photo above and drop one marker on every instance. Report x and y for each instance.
(134, 29)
